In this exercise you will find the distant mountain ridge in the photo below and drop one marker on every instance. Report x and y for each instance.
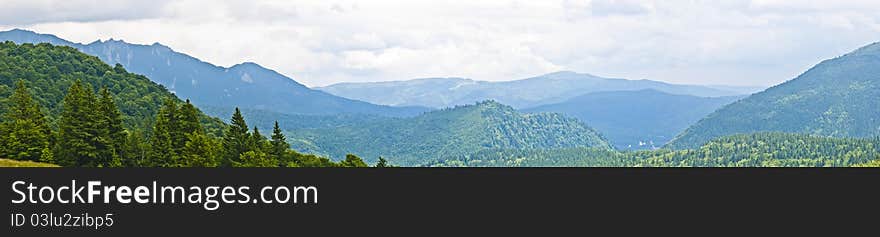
(643, 119)
(453, 131)
(836, 98)
(530, 92)
(244, 85)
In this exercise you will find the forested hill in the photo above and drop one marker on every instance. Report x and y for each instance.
(48, 71)
(458, 130)
(838, 98)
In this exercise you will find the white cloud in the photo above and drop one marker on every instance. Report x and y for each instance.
(321, 42)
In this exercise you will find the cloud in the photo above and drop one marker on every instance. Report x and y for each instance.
(740, 42)
(42, 11)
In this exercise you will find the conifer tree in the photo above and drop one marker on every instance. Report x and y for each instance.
(25, 133)
(111, 134)
(162, 150)
(236, 139)
(279, 146)
(77, 130)
(188, 122)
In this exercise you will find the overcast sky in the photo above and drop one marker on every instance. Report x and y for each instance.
(733, 42)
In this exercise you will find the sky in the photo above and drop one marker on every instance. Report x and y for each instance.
(711, 42)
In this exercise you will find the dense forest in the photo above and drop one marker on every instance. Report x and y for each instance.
(751, 150)
(452, 131)
(52, 113)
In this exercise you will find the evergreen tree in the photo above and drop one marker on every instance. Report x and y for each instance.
(279, 146)
(77, 135)
(188, 121)
(25, 133)
(111, 134)
(382, 163)
(162, 150)
(236, 139)
(137, 149)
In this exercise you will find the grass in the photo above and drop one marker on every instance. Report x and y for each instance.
(17, 163)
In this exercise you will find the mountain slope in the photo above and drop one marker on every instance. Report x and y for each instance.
(637, 119)
(48, 71)
(244, 85)
(836, 98)
(525, 93)
(460, 130)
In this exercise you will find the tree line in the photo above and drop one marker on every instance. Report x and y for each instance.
(90, 133)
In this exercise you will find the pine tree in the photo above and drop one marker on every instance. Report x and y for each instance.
(258, 141)
(77, 133)
(188, 122)
(235, 140)
(382, 163)
(25, 133)
(279, 146)
(111, 134)
(162, 150)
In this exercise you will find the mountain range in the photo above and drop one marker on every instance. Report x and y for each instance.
(836, 98)
(246, 85)
(643, 119)
(526, 93)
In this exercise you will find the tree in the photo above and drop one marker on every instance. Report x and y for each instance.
(111, 135)
(25, 133)
(77, 133)
(279, 146)
(236, 139)
(188, 120)
(353, 161)
(382, 163)
(201, 151)
(162, 149)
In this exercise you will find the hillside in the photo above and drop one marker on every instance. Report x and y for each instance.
(459, 130)
(634, 120)
(50, 70)
(750, 150)
(245, 85)
(525, 93)
(836, 98)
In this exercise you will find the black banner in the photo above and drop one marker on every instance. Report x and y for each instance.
(417, 201)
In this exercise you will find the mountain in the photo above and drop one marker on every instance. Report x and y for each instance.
(245, 85)
(837, 98)
(48, 72)
(459, 130)
(525, 93)
(641, 119)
